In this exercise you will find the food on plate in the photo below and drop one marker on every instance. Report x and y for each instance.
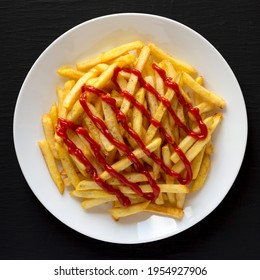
(132, 127)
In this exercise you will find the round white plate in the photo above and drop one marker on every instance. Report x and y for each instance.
(38, 93)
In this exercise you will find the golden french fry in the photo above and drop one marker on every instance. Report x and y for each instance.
(137, 117)
(202, 91)
(202, 175)
(196, 163)
(49, 132)
(142, 59)
(109, 55)
(70, 73)
(67, 164)
(89, 63)
(124, 212)
(168, 188)
(73, 95)
(91, 194)
(92, 185)
(166, 153)
(54, 115)
(93, 202)
(180, 200)
(210, 148)
(105, 142)
(197, 98)
(178, 64)
(51, 164)
(119, 51)
(112, 123)
(165, 210)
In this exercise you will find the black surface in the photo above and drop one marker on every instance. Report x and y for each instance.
(29, 231)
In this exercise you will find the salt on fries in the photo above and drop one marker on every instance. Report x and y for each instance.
(133, 127)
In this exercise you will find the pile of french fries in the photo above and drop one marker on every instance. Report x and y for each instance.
(69, 173)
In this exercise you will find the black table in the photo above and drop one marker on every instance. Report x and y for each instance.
(29, 231)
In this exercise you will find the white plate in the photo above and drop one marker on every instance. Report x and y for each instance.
(38, 93)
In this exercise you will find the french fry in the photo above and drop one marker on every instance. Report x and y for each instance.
(166, 153)
(166, 211)
(70, 73)
(67, 164)
(123, 49)
(91, 194)
(109, 55)
(92, 185)
(54, 115)
(180, 200)
(167, 188)
(93, 202)
(202, 175)
(124, 212)
(137, 119)
(51, 164)
(49, 133)
(142, 59)
(196, 163)
(151, 99)
(203, 92)
(178, 64)
(112, 124)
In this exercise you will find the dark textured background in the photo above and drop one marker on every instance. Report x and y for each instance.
(29, 231)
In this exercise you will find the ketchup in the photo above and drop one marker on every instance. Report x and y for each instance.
(64, 125)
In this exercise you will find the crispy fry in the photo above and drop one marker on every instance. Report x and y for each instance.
(142, 59)
(202, 175)
(196, 163)
(137, 118)
(49, 133)
(51, 164)
(93, 202)
(70, 73)
(109, 55)
(124, 212)
(178, 64)
(163, 210)
(67, 164)
(203, 92)
(54, 115)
